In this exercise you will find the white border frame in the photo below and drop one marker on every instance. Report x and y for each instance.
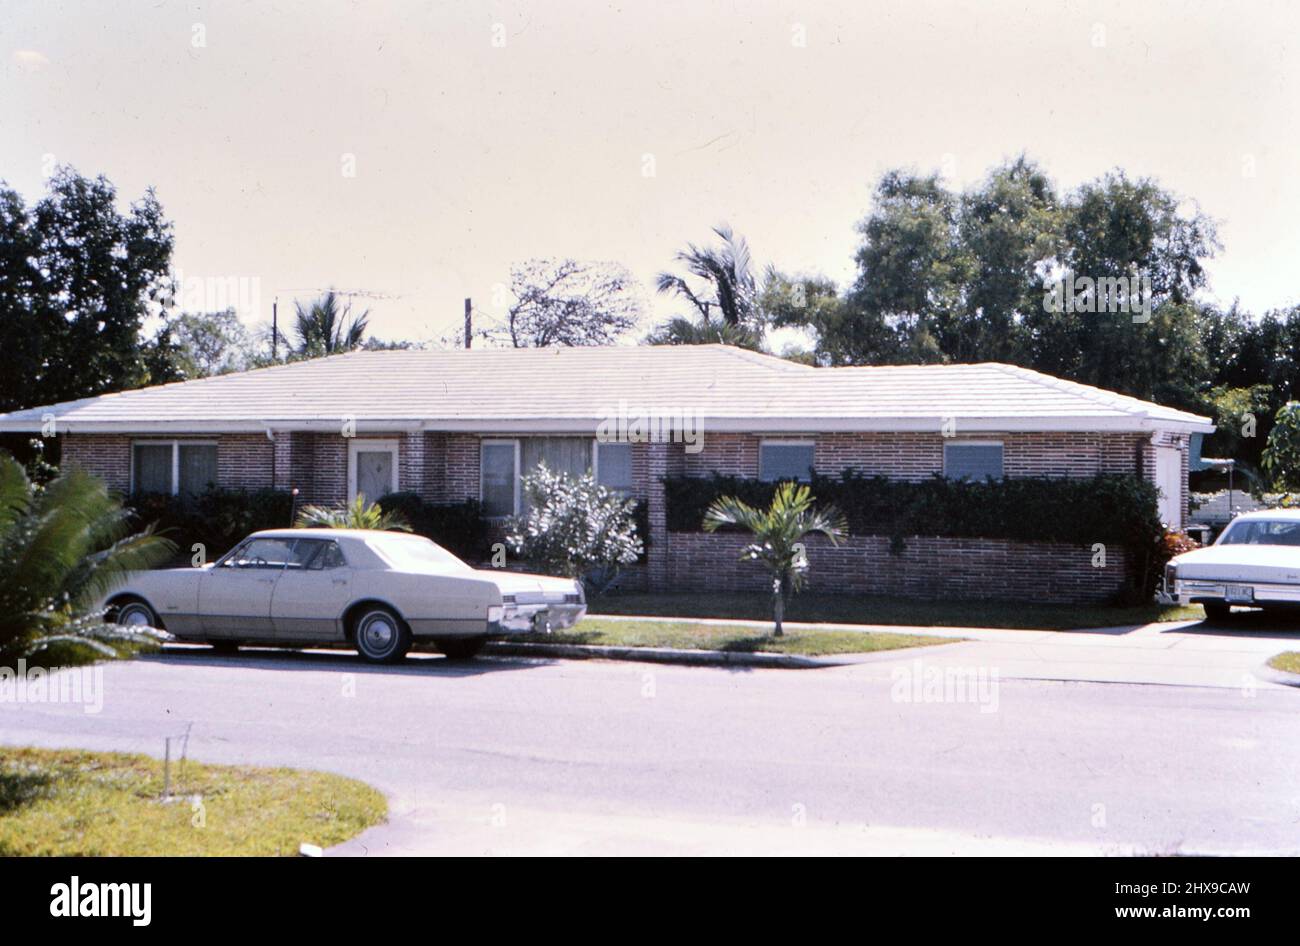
(785, 442)
(176, 458)
(372, 446)
(989, 442)
(499, 441)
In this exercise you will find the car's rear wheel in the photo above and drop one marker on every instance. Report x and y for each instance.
(461, 648)
(134, 612)
(379, 635)
(1217, 610)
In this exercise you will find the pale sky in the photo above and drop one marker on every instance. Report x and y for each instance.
(470, 154)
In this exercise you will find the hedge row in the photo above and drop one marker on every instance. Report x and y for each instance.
(458, 527)
(1118, 509)
(216, 518)
(219, 518)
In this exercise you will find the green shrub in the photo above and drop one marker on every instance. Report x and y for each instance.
(458, 527)
(215, 519)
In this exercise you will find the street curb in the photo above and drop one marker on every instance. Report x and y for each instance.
(668, 655)
(1272, 675)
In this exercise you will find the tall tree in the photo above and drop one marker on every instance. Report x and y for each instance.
(910, 273)
(327, 326)
(78, 277)
(569, 302)
(1008, 230)
(202, 344)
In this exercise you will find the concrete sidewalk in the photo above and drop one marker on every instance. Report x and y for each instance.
(1182, 653)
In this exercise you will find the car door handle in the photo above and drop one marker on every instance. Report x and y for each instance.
(339, 581)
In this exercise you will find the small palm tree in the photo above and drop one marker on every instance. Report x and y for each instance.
(357, 514)
(327, 327)
(778, 535)
(62, 548)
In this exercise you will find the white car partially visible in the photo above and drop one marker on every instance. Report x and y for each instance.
(1255, 562)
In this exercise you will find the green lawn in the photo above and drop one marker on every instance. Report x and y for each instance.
(1288, 661)
(864, 609)
(77, 804)
(689, 635)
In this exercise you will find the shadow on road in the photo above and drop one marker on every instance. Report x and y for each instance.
(340, 661)
(1250, 622)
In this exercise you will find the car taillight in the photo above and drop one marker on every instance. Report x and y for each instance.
(1171, 575)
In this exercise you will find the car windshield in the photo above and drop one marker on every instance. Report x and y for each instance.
(1262, 532)
(415, 552)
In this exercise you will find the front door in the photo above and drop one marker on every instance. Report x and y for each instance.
(235, 596)
(312, 592)
(1169, 480)
(372, 468)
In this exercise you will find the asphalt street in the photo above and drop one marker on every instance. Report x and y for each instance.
(955, 749)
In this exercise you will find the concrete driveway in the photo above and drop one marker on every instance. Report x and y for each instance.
(504, 756)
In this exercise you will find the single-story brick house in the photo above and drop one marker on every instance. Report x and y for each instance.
(452, 425)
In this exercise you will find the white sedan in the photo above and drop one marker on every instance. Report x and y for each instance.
(1254, 562)
(376, 591)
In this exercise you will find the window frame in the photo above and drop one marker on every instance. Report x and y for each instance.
(787, 442)
(485, 442)
(373, 445)
(175, 444)
(1002, 453)
(596, 444)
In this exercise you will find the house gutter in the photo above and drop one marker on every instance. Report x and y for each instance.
(534, 425)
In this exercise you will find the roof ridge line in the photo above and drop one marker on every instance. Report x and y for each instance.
(1086, 391)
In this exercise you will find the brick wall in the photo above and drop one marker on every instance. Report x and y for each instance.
(929, 567)
(915, 456)
(444, 467)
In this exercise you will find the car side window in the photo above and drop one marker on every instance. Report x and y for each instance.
(331, 556)
(304, 551)
(262, 553)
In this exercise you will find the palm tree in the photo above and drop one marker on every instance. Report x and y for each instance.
(778, 535)
(327, 327)
(357, 514)
(62, 548)
(731, 290)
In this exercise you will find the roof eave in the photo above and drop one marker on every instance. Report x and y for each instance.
(515, 425)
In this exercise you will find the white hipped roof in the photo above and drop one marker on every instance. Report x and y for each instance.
(574, 389)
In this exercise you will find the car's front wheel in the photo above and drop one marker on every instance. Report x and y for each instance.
(379, 635)
(1217, 610)
(461, 648)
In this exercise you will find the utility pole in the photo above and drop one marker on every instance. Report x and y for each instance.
(275, 324)
(469, 330)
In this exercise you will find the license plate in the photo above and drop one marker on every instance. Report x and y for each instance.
(1238, 593)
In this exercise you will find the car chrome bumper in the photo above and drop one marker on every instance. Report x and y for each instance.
(1195, 590)
(539, 618)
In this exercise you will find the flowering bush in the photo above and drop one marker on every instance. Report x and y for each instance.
(575, 527)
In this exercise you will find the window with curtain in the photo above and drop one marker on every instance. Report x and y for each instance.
(197, 468)
(570, 455)
(173, 467)
(152, 468)
(785, 461)
(614, 466)
(972, 461)
(497, 478)
(560, 454)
